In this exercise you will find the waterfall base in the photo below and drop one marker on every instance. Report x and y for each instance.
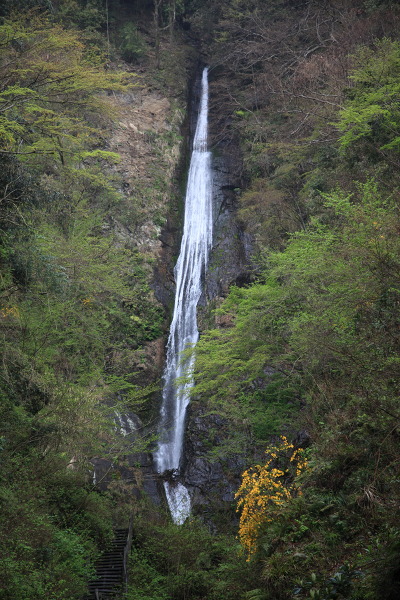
(178, 501)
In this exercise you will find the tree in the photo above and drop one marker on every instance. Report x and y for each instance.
(51, 90)
(370, 120)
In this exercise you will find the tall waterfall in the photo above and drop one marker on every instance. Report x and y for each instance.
(192, 261)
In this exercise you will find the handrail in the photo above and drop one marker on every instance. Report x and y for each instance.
(127, 551)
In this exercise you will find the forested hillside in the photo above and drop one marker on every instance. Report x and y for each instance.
(311, 348)
(300, 364)
(88, 150)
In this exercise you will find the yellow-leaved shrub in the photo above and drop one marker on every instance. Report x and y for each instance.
(265, 489)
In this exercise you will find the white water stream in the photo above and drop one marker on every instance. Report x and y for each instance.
(189, 270)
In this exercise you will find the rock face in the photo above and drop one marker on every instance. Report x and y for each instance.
(230, 260)
(212, 484)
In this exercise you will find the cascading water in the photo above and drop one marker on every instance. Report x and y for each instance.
(192, 261)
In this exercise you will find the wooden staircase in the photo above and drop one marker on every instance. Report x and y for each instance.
(111, 568)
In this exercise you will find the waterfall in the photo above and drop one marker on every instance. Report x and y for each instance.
(192, 261)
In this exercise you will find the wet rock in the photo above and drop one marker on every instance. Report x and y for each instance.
(230, 258)
(211, 483)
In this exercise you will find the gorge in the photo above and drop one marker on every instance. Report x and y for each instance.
(279, 480)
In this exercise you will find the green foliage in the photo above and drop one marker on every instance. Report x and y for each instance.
(370, 120)
(337, 586)
(316, 332)
(236, 367)
(47, 526)
(85, 14)
(46, 77)
(148, 584)
(132, 45)
(323, 319)
(186, 562)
